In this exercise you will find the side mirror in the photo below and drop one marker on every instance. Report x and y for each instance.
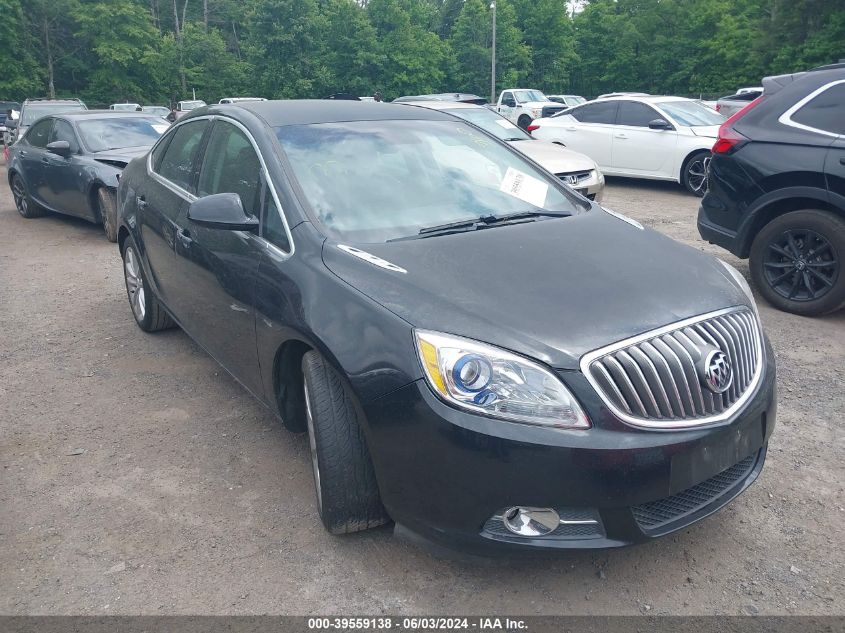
(509, 103)
(660, 124)
(222, 211)
(62, 148)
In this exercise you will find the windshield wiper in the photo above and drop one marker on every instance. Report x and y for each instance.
(482, 222)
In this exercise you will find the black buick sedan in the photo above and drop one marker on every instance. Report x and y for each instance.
(70, 163)
(476, 352)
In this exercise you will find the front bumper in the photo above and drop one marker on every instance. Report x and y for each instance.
(446, 474)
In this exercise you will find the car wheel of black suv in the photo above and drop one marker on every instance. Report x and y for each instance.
(695, 173)
(347, 494)
(24, 204)
(796, 262)
(107, 207)
(148, 312)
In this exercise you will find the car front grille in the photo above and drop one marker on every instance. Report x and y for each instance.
(574, 177)
(655, 514)
(550, 110)
(658, 379)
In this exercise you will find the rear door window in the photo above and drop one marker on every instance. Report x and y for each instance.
(825, 112)
(179, 159)
(601, 112)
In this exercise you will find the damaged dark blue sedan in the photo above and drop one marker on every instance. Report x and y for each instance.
(476, 352)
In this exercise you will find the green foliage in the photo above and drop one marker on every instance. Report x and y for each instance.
(155, 51)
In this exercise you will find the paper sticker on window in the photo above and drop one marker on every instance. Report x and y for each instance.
(525, 187)
(505, 123)
(161, 129)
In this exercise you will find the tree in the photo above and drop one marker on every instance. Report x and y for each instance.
(21, 74)
(548, 31)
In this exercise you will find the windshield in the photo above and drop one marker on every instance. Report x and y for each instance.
(529, 95)
(691, 113)
(491, 122)
(33, 112)
(371, 181)
(100, 135)
(190, 105)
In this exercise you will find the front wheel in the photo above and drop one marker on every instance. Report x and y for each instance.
(796, 262)
(347, 494)
(524, 121)
(148, 312)
(694, 177)
(107, 208)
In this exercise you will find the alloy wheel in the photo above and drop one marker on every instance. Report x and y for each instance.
(801, 265)
(697, 175)
(19, 194)
(312, 443)
(135, 284)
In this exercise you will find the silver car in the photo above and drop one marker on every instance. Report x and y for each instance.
(731, 104)
(577, 170)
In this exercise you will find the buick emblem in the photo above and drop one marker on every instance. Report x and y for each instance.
(717, 373)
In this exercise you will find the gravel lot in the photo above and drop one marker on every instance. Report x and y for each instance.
(139, 478)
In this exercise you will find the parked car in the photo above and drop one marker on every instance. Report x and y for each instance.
(460, 97)
(661, 138)
(777, 190)
(475, 351)
(10, 122)
(162, 111)
(577, 170)
(183, 107)
(239, 99)
(70, 163)
(6, 109)
(731, 104)
(568, 100)
(34, 109)
(126, 107)
(521, 106)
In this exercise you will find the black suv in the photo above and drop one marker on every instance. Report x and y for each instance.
(777, 190)
(34, 109)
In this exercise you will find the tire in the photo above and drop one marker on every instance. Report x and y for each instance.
(23, 202)
(694, 175)
(148, 312)
(107, 209)
(797, 262)
(524, 121)
(347, 494)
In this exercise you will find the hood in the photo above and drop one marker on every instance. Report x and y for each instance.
(122, 155)
(539, 104)
(554, 158)
(551, 289)
(711, 131)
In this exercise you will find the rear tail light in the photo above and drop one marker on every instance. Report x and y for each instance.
(533, 126)
(729, 139)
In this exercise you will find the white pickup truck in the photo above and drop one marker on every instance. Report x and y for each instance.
(523, 105)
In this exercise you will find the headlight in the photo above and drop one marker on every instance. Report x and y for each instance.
(536, 112)
(493, 382)
(741, 282)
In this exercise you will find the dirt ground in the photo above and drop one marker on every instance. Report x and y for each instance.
(139, 478)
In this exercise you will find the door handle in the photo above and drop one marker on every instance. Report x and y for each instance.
(572, 129)
(622, 136)
(140, 202)
(22, 152)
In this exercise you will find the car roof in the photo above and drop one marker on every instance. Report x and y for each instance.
(445, 105)
(69, 101)
(821, 75)
(81, 115)
(644, 98)
(307, 111)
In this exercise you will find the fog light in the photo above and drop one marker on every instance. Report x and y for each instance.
(531, 521)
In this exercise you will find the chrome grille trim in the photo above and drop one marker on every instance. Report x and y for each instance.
(651, 381)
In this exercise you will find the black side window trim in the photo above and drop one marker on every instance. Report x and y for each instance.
(615, 117)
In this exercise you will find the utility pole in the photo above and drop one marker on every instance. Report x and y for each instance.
(493, 58)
